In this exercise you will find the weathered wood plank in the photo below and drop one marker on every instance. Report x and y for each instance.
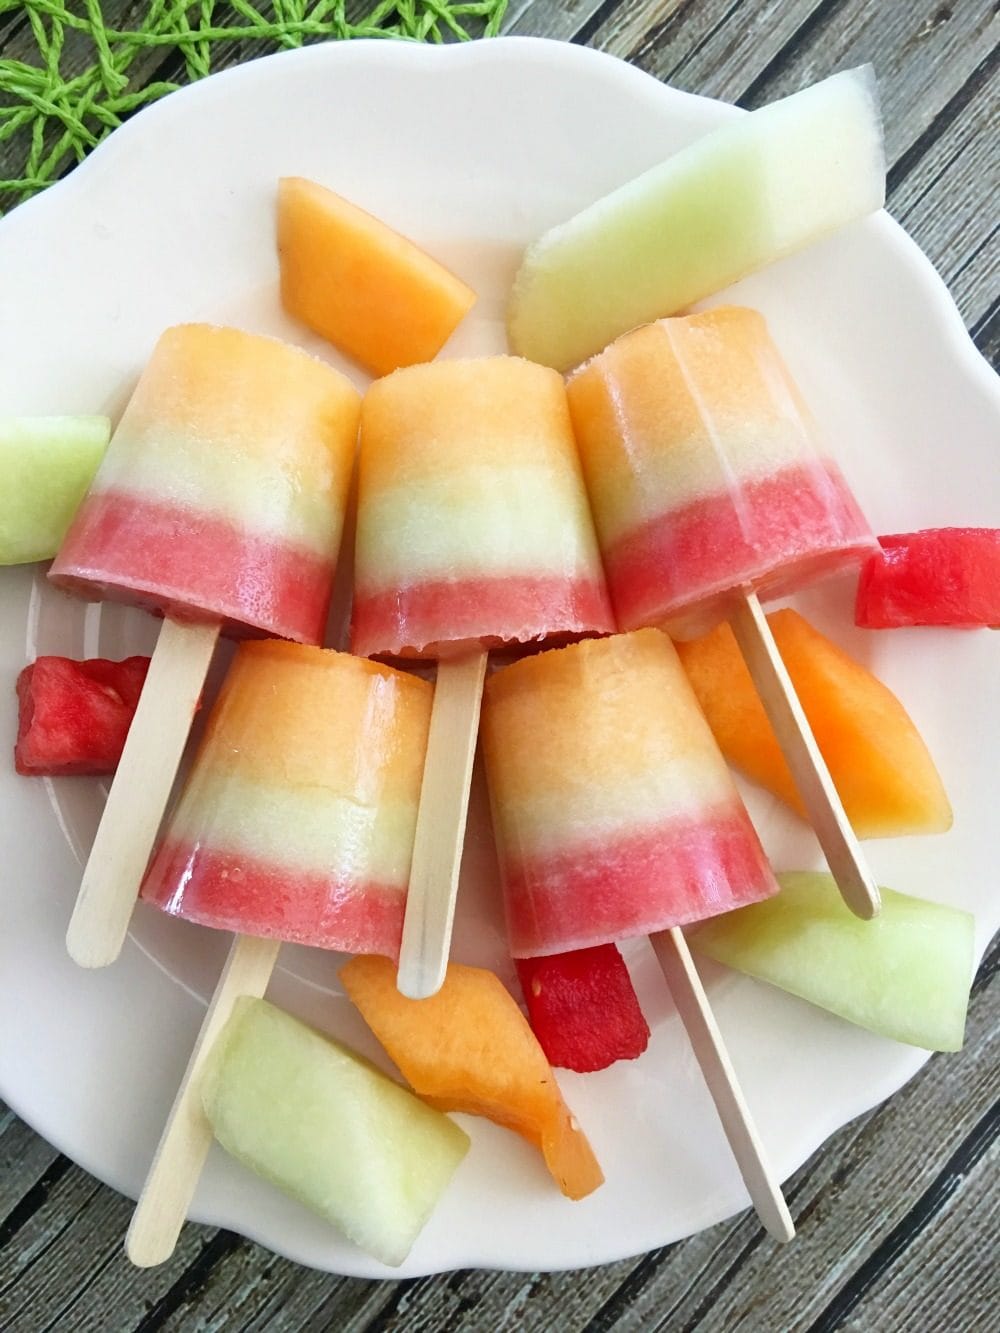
(923, 1280)
(24, 1159)
(564, 20)
(940, 202)
(64, 1265)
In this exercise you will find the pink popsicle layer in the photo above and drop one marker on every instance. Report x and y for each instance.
(233, 891)
(255, 584)
(614, 888)
(778, 532)
(448, 618)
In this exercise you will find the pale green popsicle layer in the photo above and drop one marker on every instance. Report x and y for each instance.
(478, 522)
(306, 829)
(760, 187)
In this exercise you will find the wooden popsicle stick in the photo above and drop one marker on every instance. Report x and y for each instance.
(139, 792)
(710, 1051)
(177, 1165)
(812, 777)
(440, 832)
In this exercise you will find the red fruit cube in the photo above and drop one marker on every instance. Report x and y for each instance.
(583, 1008)
(74, 716)
(941, 576)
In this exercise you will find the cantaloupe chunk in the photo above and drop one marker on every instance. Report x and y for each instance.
(352, 279)
(877, 759)
(469, 1048)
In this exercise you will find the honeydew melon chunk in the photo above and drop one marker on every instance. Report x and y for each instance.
(760, 187)
(330, 1129)
(905, 975)
(46, 465)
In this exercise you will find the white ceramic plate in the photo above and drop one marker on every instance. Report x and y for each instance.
(471, 150)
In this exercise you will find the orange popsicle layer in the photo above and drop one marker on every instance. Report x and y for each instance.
(297, 820)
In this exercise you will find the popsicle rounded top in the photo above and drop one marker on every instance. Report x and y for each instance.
(297, 820)
(222, 494)
(706, 471)
(761, 186)
(614, 812)
(473, 523)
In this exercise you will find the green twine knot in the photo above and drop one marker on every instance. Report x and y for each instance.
(87, 76)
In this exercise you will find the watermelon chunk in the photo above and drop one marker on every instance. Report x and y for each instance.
(940, 576)
(74, 716)
(905, 975)
(583, 1008)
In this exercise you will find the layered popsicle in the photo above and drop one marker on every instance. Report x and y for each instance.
(614, 812)
(473, 532)
(706, 471)
(220, 505)
(615, 816)
(710, 486)
(221, 497)
(473, 524)
(297, 820)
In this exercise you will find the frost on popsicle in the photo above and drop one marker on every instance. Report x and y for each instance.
(762, 186)
(328, 1128)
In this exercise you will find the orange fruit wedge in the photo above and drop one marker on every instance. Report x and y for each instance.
(469, 1048)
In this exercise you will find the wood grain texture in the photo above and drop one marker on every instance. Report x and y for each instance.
(892, 1236)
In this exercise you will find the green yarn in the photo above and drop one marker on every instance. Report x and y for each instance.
(88, 75)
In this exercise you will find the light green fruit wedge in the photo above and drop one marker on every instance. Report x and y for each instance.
(905, 975)
(761, 187)
(46, 465)
(329, 1128)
